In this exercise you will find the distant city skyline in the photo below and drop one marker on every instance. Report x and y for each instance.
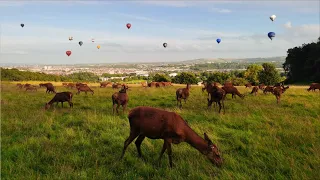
(190, 28)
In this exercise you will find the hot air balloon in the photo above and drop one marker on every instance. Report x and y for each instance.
(128, 25)
(273, 17)
(22, 25)
(271, 35)
(218, 40)
(98, 46)
(165, 45)
(80, 43)
(68, 53)
(70, 38)
(92, 40)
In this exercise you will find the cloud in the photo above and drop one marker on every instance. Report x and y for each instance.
(288, 25)
(221, 10)
(11, 3)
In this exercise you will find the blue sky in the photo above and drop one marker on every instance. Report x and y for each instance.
(189, 27)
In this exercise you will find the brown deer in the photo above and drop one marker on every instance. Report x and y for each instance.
(248, 85)
(49, 86)
(104, 84)
(84, 89)
(120, 98)
(278, 91)
(255, 90)
(160, 124)
(314, 86)
(261, 86)
(232, 90)
(64, 84)
(60, 97)
(71, 85)
(144, 84)
(217, 95)
(268, 89)
(31, 88)
(182, 93)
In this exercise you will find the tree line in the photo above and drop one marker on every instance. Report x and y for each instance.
(302, 63)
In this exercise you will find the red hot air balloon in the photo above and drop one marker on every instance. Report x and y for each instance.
(128, 25)
(68, 53)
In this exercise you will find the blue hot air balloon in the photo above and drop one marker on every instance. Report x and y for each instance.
(271, 35)
(218, 40)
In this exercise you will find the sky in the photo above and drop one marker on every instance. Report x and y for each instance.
(190, 29)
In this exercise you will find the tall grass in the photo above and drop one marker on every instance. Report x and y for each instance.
(258, 138)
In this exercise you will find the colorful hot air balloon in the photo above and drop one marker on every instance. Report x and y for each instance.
(70, 38)
(92, 40)
(165, 45)
(68, 53)
(273, 17)
(22, 25)
(128, 25)
(80, 43)
(98, 46)
(271, 35)
(218, 40)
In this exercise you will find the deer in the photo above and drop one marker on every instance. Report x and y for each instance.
(248, 85)
(120, 98)
(268, 89)
(278, 91)
(182, 93)
(255, 90)
(217, 95)
(314, 86)
(31, 88)
(232, 90)
(60, 97)
(172, 128)
(85, 89)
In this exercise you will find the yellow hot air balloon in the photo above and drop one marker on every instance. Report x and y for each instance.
(98, 46)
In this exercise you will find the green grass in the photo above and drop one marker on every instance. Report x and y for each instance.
(258, 138)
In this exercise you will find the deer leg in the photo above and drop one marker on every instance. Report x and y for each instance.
(114, 108)
(138, 144)
(124, 108)
(118, 105)
(62, 104)
(129, 140)
(223, 107)
(164, 147)
(169, 153)
(219, 106)
(70, 104)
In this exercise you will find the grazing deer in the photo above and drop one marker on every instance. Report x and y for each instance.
(31, 88)
(268, 89)
(60, 97)
(232, 90)
(182, 93)
(84, 89)
(278, 91)
(160, 124)
(314, 86)
(120, 98)
(217, 95)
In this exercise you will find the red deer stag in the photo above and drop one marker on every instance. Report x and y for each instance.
(60, 97)
(217, 95)
(314, 86)
(182, 93)
(160, 124)
(120, 99)
(268, 89)
(49, 86)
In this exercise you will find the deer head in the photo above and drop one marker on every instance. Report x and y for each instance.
(213, 153)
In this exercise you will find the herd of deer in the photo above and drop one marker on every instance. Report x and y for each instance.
(156, 123)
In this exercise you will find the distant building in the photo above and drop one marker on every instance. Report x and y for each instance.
(173, 74)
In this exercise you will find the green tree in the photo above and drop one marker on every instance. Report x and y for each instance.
(251, 74)
(269, 75)
(219, 77)
(185, 78)
(161, 78)
(303, 63)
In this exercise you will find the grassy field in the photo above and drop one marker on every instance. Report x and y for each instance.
(258, 138)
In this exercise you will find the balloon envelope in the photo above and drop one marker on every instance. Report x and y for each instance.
(218, 40)
(128, 25)
(70, 38)
(80, 43)
(165, 45)
(22, 25)
(68, 53)
(98, 46)
(273, 17)
(271, 35)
